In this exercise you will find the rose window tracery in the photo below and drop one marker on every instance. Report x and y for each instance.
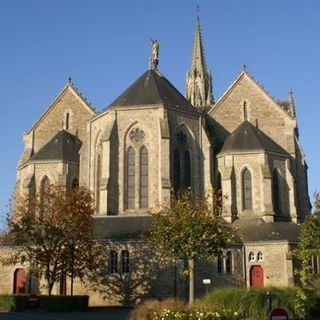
(136, 135)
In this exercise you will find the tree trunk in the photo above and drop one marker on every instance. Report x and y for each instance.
(191, 280)
(48, 280)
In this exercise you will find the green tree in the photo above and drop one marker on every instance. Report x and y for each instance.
(43, 226)
(190, 229)
(309, 245)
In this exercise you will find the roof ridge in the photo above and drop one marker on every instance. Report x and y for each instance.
(60, 150)
(249, 137)
(152, 88)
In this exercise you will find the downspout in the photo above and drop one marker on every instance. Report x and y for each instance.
(244, 265)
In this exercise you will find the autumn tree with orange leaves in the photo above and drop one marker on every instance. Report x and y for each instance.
(42, 226)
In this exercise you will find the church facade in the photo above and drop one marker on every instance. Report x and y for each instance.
(152, 140)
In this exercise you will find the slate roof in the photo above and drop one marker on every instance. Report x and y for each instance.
(247, 230)
(247, 138)
(63, 146)
(152, 88)
(257, 230)
(121, 228)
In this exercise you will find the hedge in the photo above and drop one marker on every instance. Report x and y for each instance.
(13, 302)
(48, 303)
(64, 303)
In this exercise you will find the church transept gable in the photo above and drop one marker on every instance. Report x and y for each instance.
(69, 111)
(246, 100)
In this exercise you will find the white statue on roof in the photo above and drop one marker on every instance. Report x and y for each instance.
(154, 59)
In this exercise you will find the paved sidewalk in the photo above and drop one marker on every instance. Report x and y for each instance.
(91, 314)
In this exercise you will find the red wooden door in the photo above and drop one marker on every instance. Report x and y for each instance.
(19, 281)
(256, 277)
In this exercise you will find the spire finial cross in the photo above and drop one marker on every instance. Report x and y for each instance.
(198, 12)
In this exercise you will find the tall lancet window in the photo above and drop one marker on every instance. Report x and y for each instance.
(176, 170)
(67, 121)
(98, 179)
(144, 177)
(187, 169)
(130, 199)
(246, 190)
(44, 188)
(276, 191)
(45, 184)
(245, 111)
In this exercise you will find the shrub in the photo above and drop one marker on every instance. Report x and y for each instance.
(149, 308)
(252, 303)
(196, 315)
(10, 302)
(64, 303)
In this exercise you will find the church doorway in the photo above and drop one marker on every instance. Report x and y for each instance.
(19, 281)
(256, 277)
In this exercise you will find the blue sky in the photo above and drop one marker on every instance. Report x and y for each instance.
(104, 46)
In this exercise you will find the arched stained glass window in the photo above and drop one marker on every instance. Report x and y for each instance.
(176, 170)
(276, 191)
(246, 190)
(98, 179)
(144, 177)
(32, 190)
(130, 179)
(187, 170)
(229, 262)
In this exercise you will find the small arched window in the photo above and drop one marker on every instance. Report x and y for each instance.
(131, 176)
(276, 191)
(45, 184)
(113, 261)
(187, 170)
(125, 261)
(220, 262)
(144, 177)
(251, 256)
(260, 256)
(246, 190)
(176, 170)
(75, 184)
(229, 262)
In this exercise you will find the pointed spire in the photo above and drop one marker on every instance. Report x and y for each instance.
(199, 79)
(292, 104)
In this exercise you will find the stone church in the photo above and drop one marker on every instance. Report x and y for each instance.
(151, 140)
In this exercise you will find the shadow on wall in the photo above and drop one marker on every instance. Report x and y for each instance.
(282, 209)
(113, 184)
(140, 282)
